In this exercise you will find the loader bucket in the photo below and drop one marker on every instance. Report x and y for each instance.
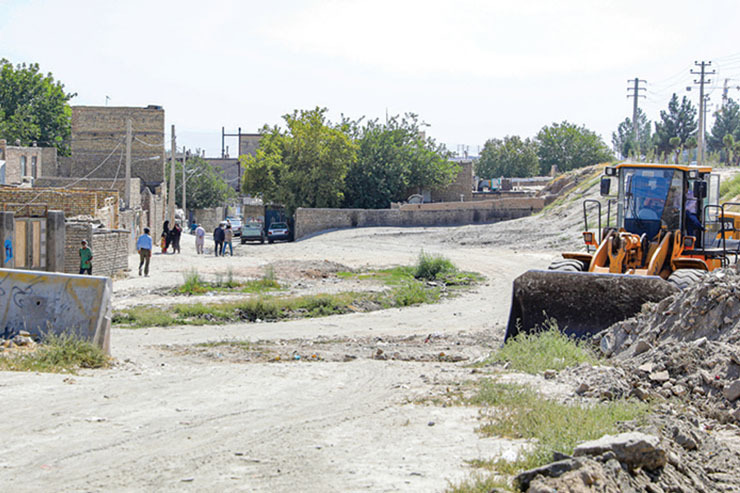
(582, 303)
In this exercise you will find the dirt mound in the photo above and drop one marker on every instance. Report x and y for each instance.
(683, 355)
(686, 346)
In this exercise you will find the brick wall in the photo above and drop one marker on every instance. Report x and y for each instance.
(109, 247)
(110, 251)
(98, 130)
(155, 206)
(73, 235)
(310, 221)
(209, 218)
(49, 162)
(463, 185)
(94, 184)
(71, 202)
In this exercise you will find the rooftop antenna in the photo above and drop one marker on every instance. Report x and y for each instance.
(107, 98)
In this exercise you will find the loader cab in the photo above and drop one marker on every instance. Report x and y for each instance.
(652, 197)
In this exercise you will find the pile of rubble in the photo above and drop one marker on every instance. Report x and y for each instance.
(22, 339)
(684, 353)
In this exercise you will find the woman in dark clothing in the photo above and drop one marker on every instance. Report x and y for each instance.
(166, 236)
(176, 232)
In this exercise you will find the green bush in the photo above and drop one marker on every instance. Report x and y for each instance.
(429, 267)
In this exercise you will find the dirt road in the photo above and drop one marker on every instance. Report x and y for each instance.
(164, 419)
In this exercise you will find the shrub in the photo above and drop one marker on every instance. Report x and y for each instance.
(429, 267)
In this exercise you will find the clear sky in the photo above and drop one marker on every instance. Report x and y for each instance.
(472, 69)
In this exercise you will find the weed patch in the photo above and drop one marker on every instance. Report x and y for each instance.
(539, 351)
(57, 354)
(520, 412)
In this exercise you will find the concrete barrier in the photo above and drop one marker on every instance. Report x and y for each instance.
(53, 303)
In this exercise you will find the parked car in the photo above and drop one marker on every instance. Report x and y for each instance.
(278, 231)
(253, 231)
(236, 225)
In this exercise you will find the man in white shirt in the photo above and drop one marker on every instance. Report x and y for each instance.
(200, 238)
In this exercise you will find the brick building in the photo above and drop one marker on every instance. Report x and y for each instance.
(22, 163)
(230, 170)
(98, 143)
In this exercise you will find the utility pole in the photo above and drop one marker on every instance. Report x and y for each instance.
(184, 202)
(171, 198)
(127, 191)
(702, 80)
(636, 95)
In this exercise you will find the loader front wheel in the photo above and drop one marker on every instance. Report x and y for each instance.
(567, 265)
(683, 278)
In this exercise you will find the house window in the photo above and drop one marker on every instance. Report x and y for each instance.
(33, 166)
(23, 166)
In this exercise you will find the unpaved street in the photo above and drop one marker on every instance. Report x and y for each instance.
(167, 418)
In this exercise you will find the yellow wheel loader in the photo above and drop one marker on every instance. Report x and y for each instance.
(669, 231)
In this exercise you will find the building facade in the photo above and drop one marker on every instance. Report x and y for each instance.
(99, 143)
(20, 164)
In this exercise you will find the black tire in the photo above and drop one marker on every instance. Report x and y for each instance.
(269, 241)
(262, 240)
(243, 241)
(567, 265)
(683, 278)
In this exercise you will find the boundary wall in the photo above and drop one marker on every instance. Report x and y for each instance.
(311, 221)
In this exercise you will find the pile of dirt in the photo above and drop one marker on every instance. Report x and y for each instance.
(686, 346)
(684, 354)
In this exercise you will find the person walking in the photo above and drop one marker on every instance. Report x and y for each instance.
(200, 238)
(85, 259)
(228, 236)
(144, 246)
(165, 241)
(218, 239)
(176, 233)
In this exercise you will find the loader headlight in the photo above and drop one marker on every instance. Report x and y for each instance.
(688, 242)
(588, 238)
(693, 174)
(610, 171)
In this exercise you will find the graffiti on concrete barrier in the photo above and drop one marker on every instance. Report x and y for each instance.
(8, 250)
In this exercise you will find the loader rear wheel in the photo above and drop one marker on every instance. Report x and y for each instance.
(683, 278)
(567, 265)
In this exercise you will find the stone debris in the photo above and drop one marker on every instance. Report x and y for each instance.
(633, 449)
(22, 340)
(683, 355)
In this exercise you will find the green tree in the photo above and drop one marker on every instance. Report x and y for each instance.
(205, 184)
(726, 122)
(624, 140)
(33, 107)
(510, 157)
(394, 158)
(679, 121)
(569, 146)
(303, 165)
